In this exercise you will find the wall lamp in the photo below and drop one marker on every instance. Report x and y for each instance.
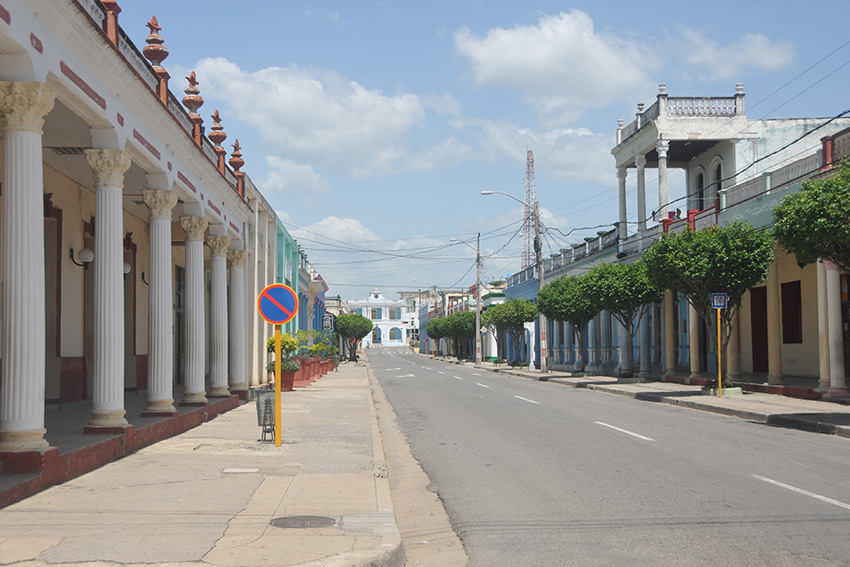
(85, 255)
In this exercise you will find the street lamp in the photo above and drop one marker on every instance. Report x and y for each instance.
(477, 294)
(538, 251)
(433, 295)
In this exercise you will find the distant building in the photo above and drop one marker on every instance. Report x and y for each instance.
(390, 317)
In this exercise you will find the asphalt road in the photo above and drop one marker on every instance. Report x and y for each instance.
(539, 474)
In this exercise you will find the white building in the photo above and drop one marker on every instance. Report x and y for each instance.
(390, 317)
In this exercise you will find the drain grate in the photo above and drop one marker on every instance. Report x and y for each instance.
(303, 522)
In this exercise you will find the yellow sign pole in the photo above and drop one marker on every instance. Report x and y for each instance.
(719, 367)
(277, 434)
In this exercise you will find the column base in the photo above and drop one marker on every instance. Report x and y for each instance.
(733, 376)
(776, 379)
(837, 392)
(237, 387)
(27, 440)
(103, 429)
(823, 387)
(158, 408)
(107, 419)
(694, 376)
(194, 399)
(219, 393)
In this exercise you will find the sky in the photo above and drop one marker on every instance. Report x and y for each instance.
(373, 126)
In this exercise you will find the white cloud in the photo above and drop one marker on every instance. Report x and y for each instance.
(318, 117)
(562, 65)
(572, 155)
(291, 180)
(732, 61)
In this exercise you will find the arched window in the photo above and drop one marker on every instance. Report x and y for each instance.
(718, 182)
(395, 334)
(699, 194)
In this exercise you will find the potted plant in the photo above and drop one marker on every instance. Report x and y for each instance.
(288, 365)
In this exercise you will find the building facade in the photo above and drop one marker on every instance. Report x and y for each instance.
(389, 316)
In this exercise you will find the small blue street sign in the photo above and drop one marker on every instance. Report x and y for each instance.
(277, 304)
(718, 300)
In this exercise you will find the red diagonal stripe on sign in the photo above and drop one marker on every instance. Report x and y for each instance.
(268, 296)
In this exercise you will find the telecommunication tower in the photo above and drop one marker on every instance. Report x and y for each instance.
(528, 255)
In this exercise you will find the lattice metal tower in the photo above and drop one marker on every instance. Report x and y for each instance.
(528, 255)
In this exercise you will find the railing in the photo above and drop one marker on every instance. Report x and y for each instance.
(841, 147)
(705, 218)
(179, 113)
(796, 171)
(684, 107)
(209, 150)
(135, 58)
(744, 191)
(95, 10)
(702, 106)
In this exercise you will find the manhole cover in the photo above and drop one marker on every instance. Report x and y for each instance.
(303, 522)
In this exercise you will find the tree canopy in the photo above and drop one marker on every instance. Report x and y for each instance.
(511, 317)
(813, 222)
(726, 259)
(568, 299)
(622, 290)
(353, 327)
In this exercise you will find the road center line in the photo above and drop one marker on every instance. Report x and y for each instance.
(804, 492)
(458, 378)
(526, 400)
(440, 372)
(623, 431)
(482, 385)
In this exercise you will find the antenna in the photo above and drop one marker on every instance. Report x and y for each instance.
(528, 255)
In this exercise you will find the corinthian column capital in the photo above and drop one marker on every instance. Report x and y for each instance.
(23, 106)
(219, 244)
(194, 227)
(160, 203)
(108, 166)
(237, 257)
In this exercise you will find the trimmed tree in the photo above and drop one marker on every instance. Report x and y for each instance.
(353, 328)
(437, 329)
(623, 290)
(511, 317)
(567, 299)
(461, 326)
(720, 259)
(813, 223)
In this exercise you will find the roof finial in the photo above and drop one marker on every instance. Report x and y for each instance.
(154, 51)
(193, 100)
(217, 134)
(236, 160)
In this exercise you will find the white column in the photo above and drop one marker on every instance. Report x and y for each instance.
(218, 316)
(669, 335)
(621, 183)
(22, 110)
(644, 340)
(238, 360)
(774, 331)
(823, 337)
(160, 315)
(693, 341)
(194, 393)
(837, 379)
(640, 163)
(663, 197)
(733, 359)
(108, 380)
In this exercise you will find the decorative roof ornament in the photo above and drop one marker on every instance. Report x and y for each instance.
(236, 160)
(193, 100)
(217, 134)
(155, 51)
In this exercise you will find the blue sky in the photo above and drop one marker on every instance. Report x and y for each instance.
(373, 126)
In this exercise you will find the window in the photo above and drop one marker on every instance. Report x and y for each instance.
(375, 314)
(792, 313)
(395, 313)
(395, 334)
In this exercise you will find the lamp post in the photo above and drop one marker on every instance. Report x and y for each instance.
(477, 294)
(433, 295)
(538, 251)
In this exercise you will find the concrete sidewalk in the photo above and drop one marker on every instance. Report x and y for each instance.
(210, 496)
(806, 414)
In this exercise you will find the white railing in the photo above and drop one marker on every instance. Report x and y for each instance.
(139, 63)
(744, 191)
(701, 106)
(797, 171)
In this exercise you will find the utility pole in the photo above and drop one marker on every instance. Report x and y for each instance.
(541, 318)
(478, 357)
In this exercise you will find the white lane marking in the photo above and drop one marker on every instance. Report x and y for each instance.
(390, 369)
(526, 400)
(440, 372)
(458, 377)
(482, 385)
(239, 471)
(624, 431)
(407, 376)
(804, 492)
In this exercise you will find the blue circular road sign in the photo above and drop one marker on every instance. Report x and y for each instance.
(277, 304)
